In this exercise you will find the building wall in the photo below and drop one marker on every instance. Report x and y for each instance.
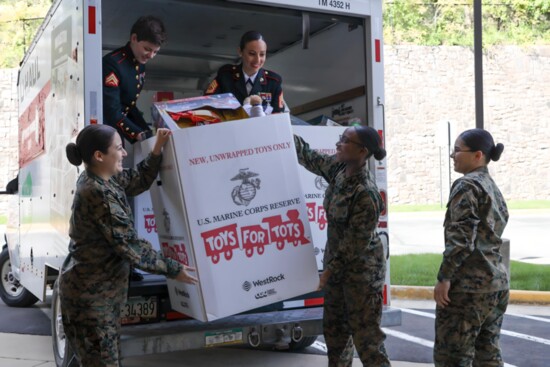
(428, 90)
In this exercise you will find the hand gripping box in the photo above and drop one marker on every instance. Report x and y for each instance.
(229, 202)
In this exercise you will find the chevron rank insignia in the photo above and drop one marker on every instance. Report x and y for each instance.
(212, 87)
(111, 80)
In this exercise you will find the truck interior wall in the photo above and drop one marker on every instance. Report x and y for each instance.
(333, 63)
(202, 36)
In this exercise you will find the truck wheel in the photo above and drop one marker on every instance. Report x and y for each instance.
(62, 352)
(305, 342)
(11, 291)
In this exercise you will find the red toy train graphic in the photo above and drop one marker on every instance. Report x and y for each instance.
(272, 230)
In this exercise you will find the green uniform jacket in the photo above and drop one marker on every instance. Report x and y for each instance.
(474, 222)
(354, 251)
(104, 242)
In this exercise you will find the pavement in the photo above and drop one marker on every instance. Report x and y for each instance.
(422, 232)
(18, 350)
(409, 233)
(36, 351)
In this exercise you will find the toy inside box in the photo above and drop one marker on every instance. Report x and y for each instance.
(196, 111)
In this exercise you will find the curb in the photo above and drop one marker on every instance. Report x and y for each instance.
(426, 293)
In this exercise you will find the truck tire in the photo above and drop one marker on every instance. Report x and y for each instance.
(305, 342)
(11, 291)
(62, 352)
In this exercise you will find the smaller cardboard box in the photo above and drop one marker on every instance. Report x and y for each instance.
(197, 111)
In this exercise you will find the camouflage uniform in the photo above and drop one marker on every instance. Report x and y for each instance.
(468, 330)
(355, 256)
(104, 243)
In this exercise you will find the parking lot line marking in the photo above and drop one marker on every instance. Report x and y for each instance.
(417, 340)
(502, 331)
(419, 313)
(525, 337)
(397, 334)
(319, 346)
(529, 317)
(408, 337)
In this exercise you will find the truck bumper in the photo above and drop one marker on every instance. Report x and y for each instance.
(276, 327)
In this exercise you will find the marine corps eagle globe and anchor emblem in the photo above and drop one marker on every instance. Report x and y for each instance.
(320, 183)
(244, 193)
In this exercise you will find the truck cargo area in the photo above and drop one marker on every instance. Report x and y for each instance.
(313, 52)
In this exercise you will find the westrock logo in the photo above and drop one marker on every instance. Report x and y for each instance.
(244, 193)
(247, 286)
(269, 280)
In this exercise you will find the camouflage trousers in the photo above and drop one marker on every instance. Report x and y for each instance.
(93, 332)
(353, 316)
(467, 331)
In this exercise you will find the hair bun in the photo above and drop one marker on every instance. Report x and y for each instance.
(73, 154)
(496, 152)
(380, 154)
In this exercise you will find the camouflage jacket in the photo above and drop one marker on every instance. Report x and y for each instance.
(474, 222)
(354, 251)
(104, 242)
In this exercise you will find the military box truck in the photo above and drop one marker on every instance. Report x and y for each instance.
(330, 55)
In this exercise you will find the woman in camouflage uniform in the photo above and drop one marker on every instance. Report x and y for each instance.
(354, 262)
(104, 244)
(472, 289)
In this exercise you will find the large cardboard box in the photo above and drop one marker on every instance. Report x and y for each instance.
(229, 202)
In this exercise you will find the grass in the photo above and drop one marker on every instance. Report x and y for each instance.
(416, 208)
(528, 204)
(3, 219)
(512, 204)
(421, 270)
(414, 269)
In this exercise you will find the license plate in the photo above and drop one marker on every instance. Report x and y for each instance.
(234, 336)
(139, 309)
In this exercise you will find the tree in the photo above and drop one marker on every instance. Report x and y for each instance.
(19, 21)
(450, 22)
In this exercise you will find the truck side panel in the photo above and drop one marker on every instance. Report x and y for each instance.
(50, 114)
